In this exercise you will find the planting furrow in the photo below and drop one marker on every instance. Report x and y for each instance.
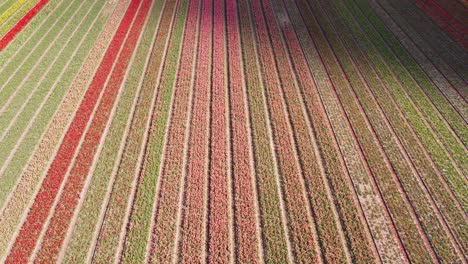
(332, 165)
(220, 238)
(39, 161)
(192, 243)
(383, 174)
(442, 75)
(381, 227)
(277, 246)
(166, 212)
(448, 160)
(292, 136)
(415, 18)
(139, 226)
(427, 175)
(23, 22)
(118, 210)
(68, 201)
(45, 198)
(85, 220)
(47, 98)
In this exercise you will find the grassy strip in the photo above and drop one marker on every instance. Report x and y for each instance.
(140, 220)
(15, 17)
(428, 98)
(400, 91)
(431, 177)
(432, 223)
(44, 200)
(291, 136)
(219, 184)
(13, 142)
(170, 174)
(451, 85)
(38, 163)
(121, 197)
(68, 201)
(192, 243)
(324, 101)
(396, 201)
(12, 10)
(30, 37)
(332, 165)
(274, 233)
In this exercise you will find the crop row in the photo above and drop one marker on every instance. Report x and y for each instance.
(192, 237)
(123, 192)
(220, 221)
(431, 176)
(431, 139)
(164, 220)
(6, 5)
(369, 197)
(450, 84)
(371, 148)
(5, 16)
(18, 27)
(79, 172)
(450, 170)
(44, 200)
(15, 18)
(48, 96)
(446, 21)
(274, 220)
(415, 18)
(408, 180)
(138, 230)
(24, 186)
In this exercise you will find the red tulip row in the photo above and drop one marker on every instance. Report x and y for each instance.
(165, 227)
(15, 30)
(43, 203)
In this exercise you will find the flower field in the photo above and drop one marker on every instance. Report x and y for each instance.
(233, 131)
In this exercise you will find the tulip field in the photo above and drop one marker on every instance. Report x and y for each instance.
(233, 131)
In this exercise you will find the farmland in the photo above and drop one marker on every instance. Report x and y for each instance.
(233, 131)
